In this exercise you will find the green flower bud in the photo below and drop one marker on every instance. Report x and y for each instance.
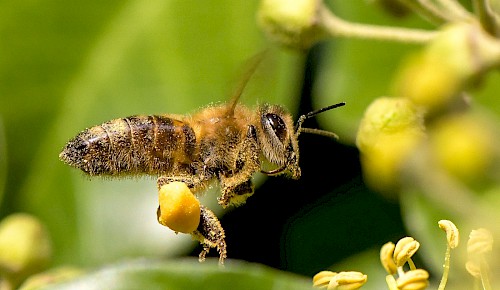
(464, 146)
(389, 131)
(25, 247)
(291, 23)
(434, 77)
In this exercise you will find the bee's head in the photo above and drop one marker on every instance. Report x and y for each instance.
(278, 140)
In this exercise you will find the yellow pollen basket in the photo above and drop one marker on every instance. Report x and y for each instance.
(179, 209)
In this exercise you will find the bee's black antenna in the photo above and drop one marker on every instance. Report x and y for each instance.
(299, 129)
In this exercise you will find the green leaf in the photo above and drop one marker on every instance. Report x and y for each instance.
(186, 274)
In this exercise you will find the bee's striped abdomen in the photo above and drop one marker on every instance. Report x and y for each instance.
(132, 145)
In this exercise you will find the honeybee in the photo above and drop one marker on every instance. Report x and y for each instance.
(225, 143)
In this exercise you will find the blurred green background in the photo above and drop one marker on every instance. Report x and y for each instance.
(68, 66)
(65, 66)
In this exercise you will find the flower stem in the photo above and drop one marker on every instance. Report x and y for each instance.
(446, 270)
(411, 264)
(337, 27)
(486, 18)
(401, 272)
(485, 280)
(426, 10)
(455, 9)
(391, 282)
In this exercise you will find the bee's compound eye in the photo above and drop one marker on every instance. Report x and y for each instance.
(278, 126)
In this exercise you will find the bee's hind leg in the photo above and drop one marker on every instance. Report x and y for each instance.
(207, 229)
(194, 183)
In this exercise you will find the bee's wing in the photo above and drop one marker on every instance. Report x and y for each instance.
(251, 67)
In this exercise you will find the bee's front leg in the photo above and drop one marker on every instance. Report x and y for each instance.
(237, 187)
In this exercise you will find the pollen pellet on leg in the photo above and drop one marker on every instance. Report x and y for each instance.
(179, 209)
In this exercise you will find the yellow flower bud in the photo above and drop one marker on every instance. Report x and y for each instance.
(389, 131)
(292, 23)
(473, 268)
(386, 257)
(413, 280)
(347, 281)
(25, 246)
(405, 249)
(323, 278)
(464, 145)
(480, 242)
(452, 234)
(179, 209)
(479, 249)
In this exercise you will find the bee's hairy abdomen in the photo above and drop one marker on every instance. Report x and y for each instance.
(133, 145)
